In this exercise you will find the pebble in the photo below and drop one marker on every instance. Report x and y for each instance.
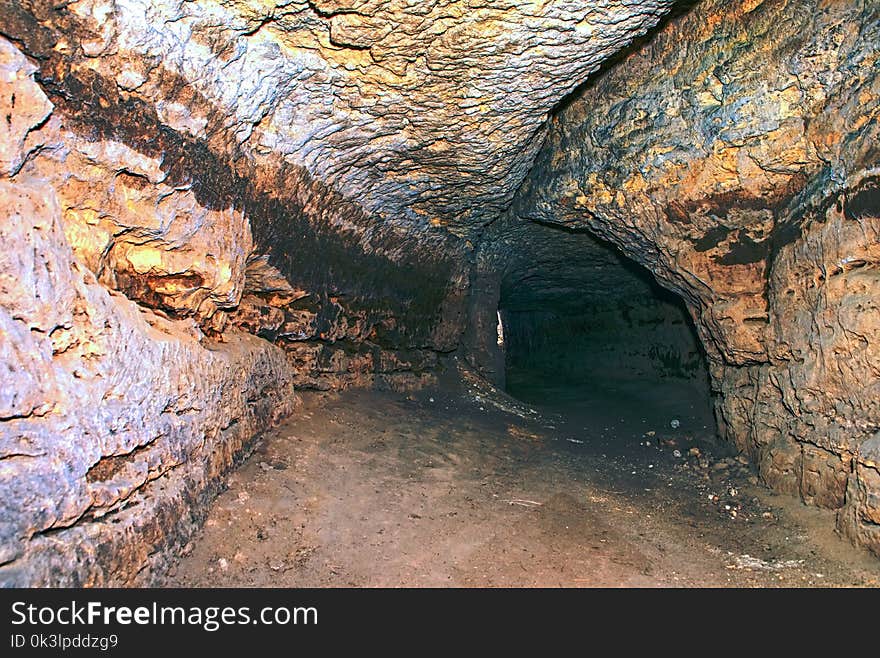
(224, 565)
(675, 423)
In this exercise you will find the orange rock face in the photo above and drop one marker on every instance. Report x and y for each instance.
(102, 397)
(742, 170)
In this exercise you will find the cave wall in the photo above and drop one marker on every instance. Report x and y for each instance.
(116, 420)
(160, 186)
(214, 203)
(140, 262)
(362, 142)
(145, 276)
(211, 204)
(638, 339)
(425, 114)
(735, 156)
(132, 381)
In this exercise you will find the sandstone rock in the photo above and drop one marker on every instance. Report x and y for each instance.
(140, 235)
(336, 177)
(400, 105)
(102, 398)
(741, 170)
(23, 107)
(117, 404)
(824, 477)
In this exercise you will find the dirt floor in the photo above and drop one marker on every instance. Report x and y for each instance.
(466, 487)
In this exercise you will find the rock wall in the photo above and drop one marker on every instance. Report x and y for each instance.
(211, 203)
(326, 275)
(427, 114)
(116, 421)
(359, 140)
(735, 156)
(140, 259)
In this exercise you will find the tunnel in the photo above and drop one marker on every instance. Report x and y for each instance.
(581, 323)
(361, 293)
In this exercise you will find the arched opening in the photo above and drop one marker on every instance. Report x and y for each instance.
(586, 331)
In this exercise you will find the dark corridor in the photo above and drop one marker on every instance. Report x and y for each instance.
(586, 330)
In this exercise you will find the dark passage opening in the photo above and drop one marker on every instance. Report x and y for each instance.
(588, 331)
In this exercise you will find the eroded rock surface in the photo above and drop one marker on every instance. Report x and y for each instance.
(742, 170)
(180, 172)
(209, 203)
(115, 420)
(427, 112)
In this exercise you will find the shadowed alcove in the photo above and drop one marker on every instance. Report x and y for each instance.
(582, 327)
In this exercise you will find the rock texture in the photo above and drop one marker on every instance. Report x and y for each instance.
(151, 97)
(179, 172)
(114, 420)
(427, 112)
(209, 203)
(350, 143)
(742, 170)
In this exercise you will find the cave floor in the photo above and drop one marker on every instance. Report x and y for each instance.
(463, 487)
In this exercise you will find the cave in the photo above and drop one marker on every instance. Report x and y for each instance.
(382, 293)
(581, 323)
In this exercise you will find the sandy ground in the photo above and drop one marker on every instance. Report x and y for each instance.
(461, 487)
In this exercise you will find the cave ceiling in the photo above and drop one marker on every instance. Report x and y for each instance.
(425, 113)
